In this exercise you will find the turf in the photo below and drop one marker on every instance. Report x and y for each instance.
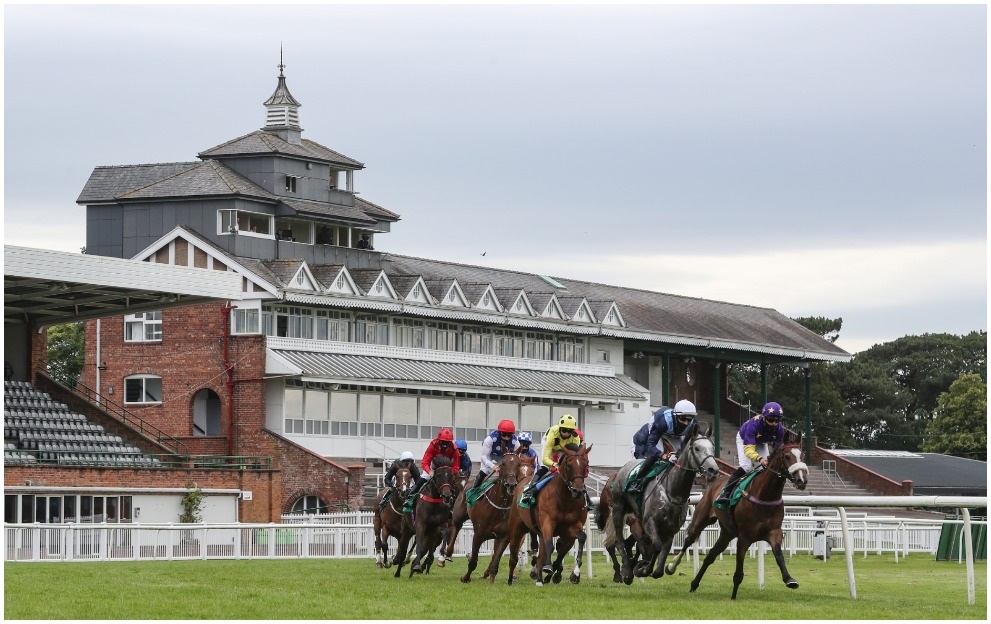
(917, 588)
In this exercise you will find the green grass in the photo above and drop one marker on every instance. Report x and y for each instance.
(916, 588)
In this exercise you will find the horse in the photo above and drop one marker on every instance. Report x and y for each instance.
(756, 517)
(559, 511)
(388, 519)
(490, 514)
(665, 502)
(609, 541)
(431, 513)
(459, 514)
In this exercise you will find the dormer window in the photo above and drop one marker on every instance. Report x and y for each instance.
(291, 184)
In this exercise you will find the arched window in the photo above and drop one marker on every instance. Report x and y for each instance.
(206, 413)
(309, 505)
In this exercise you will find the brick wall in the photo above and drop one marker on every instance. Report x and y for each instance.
(309, 474)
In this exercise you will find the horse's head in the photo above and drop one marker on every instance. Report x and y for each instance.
(525, 467)
(698, 452)
(787, 461)
(509, 471)
(404, 480)
(573, 466)
(443, 480)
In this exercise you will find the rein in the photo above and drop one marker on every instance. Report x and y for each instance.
(779, 475)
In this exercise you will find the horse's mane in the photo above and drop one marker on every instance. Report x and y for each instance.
(441, 461)
(571, 446)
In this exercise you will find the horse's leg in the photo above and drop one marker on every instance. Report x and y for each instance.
(618, 512)
(546, 534)
(691, 535)
(648, 544)
(662, 556)
(401, 551)
(721, 543)
(564, 545)
(741, 556)
(379, 547)
(616, 576)
(576, 574)
(498, 548)
(476, 544)
(775, 539)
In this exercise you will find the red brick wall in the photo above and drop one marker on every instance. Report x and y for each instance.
(307, 474)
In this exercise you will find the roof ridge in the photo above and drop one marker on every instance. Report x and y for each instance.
(373, 204)
(165, 164)
(332, 151)
(160, 180)
(225, 143)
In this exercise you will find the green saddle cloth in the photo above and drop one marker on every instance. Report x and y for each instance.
(658, 467)
(385, 499)
(411, 501)
(473, 494)
(737, 492)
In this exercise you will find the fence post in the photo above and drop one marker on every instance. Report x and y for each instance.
(761, 551)
(848, 552)
(969, 551)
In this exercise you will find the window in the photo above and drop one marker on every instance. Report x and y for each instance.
(143, 327)
(290, 184)
(143, 389)
(370, 329)
(287, 322)
(315, 404)
(476, 340)
(247, 223)
(295, 230)
(570, 350)
(508, 343)
(245, 321)
(408, 333)
(309, 505)
(332, 325)
(292, 406)
(442, 336)
(539, 346)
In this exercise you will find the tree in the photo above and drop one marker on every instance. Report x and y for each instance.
(67, 351)
(960, 425)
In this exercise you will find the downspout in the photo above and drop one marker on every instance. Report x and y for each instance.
(97, 363)
(229, 369)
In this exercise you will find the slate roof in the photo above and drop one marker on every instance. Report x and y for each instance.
(506, 380)
(691, 321)
(106, 183)
(931, 473)
(207, 178)
(344, 213)
(284, 269)
(266, 142)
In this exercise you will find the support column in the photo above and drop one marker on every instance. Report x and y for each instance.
(763, 384)
(666, 379)
(716, 401)
(808, 412)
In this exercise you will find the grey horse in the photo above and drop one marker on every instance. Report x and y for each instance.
(665, 501)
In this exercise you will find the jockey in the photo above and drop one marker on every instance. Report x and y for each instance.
(443, 444)
(407, 461)
(465, 468)
(525, 440)
(670, 421)
(557, 437)
(496, 444)
(755, 441)
(640, 441)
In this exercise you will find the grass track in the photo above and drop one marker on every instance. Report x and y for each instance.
(915, 589)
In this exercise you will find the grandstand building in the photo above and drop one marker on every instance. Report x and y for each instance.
(341, 353)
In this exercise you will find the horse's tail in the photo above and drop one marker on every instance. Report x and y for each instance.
(602, 509)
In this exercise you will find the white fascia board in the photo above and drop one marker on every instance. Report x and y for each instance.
(120, 273)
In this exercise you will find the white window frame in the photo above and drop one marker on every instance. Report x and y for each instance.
(144, 389)
(224, 220)
(246, 318)
(147, 321)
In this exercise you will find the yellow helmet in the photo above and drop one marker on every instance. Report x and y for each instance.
(568, 422)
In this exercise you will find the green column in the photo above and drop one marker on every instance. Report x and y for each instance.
(808, 412)
(666, 379)
(717, 396)
(763, 385)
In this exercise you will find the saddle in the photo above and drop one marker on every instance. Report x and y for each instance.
(473, 494)
(737, 492)
(658, 467)
(527, 502)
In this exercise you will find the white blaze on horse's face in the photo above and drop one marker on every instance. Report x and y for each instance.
(799, 471)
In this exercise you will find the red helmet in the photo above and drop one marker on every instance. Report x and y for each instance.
(506, 426)
(445, 435)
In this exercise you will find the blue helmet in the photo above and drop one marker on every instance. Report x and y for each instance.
(461, 444)
(524, 437)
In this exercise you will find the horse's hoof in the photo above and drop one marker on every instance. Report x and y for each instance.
(556, 578)
(416, 569)
(628, 580)
(440, 562)
(792, 584)
(617, 578)
(378, 564)
(669, 569)
(533, 574)
(387, 564)
(575, 579)
(466, 578)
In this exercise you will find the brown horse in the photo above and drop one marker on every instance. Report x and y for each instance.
(459, 514)
(388, 519)
(602, 514)
(756, 517)
(559, 512)
(431, 513)
(490, 514)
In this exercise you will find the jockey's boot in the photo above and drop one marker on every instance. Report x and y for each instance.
(414, 490)
(727, 492)
(479, 479)
(636, 487)
(588, 501)
(531, 489)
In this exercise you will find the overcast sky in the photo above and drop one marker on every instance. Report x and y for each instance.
(819, 160)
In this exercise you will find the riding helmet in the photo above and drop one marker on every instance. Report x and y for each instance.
(406, 455)
(507, 426)
(525, 437)
(773, 409)
(461, 444)
(568, 422)
(685, 407)
(445, 435)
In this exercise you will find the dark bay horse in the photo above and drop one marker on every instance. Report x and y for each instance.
(490, 515)
(388, 519)
(756, 517)
(665, 502)
(459, 515)
(431, 513)
(602, 516)
(559, 512)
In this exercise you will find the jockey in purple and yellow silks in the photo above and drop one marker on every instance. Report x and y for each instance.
(756, 440)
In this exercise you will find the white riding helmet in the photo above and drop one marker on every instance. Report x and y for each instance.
(685, 406)
(406, 455)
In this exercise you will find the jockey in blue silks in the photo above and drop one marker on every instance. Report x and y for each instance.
(672, 421)
(496, 444)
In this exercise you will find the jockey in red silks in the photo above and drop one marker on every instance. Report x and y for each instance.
(443, 446)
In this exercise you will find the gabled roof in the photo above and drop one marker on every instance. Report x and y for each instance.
(515, 301)
(263, 142)
(375, 210)
(207, 178)
(476, 294)
(338, 212)
(576, 308)
(106, 183)
(374, 283)
(411, 288)
(447, 292)
(685, 322)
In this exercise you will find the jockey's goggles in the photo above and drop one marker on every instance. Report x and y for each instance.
(445, 445)
(505, 435)
(565, 431)
(683, 417)
(771, 420)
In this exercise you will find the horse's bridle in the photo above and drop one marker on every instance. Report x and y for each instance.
(799, 465)
(448, 497)
(563, 464)
(691, 453)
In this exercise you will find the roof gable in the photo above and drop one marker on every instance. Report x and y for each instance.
(448, 293)
(482, 296)
(607, 312)
(374, 283)
(577, 309)
(516, 301)
(411, 289)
